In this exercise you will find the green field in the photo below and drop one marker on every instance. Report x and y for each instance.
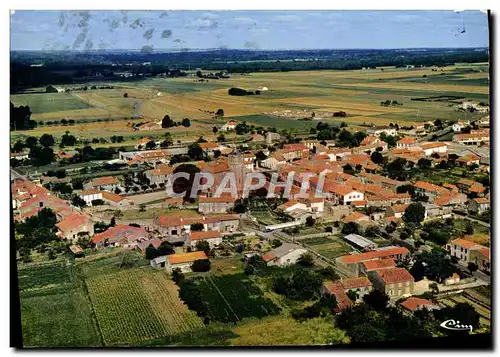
(231, 298)
(55, 308)
(49, 102)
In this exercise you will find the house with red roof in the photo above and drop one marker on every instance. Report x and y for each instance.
(183, 261)
(371, 265)
(71, 226)
(467, 251)
(478, 205)
(396, 211)
(339, 288)
(213, 238)
(406, 143)
(395, 282)
(216, 204)
(429, 189)
(90, 195)
(121, 235)
(430, 148)
(229, 126)
(469, 159)
(177, 226)
(413, 304)
(116, 200)
(106, 183)
(352, 262)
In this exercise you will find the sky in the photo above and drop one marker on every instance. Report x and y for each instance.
(265, 30)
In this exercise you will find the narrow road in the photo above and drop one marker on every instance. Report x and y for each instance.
(484, 224)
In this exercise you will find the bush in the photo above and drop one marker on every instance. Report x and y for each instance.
(201, 265)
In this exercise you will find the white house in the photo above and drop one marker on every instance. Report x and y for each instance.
(377, 130)
(183, 261)
(229, 126)
(344, 194)
(89, 195)
(434, 147)
(286, 254)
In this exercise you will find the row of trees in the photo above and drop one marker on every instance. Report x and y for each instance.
(167, 122)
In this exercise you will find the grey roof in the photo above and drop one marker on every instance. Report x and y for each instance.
(284, 249)
(359, 240)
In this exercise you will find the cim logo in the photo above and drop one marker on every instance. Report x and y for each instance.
(455, 326)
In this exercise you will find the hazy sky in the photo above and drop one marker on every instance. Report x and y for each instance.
(35, 30)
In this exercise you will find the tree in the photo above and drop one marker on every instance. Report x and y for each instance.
(215, 130)
(352, 295)
(329, 273)
(165, 248)
(201, 265)
(167, 122)
(376, 299)
(219, 113)
(195, 152)
(186, 123)
(197, 227)
(151, 252)
(424, 164)
(177, 276)
(31, 142)
(18, 146)
(68, 140)
(203, 246)
(78, 201)
(125, 95)
(275, 243)
(310, 221)
(112, 223)
(377, 157)
(472, 267)
(221, 138)
(41, 156)
(118, 191)
(150, 145)
(415, 212)
(306, 260)
(47, 140)
(350, 228)
(301, 285)
(438, 123)
(469, 228)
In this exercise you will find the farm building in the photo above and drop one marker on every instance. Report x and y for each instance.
(183, 261)
(353, 261)
(413, 304)
(360, 242)
(340, 288)
(284, 255)
(213, 238)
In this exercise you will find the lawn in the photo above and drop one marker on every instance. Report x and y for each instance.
(223, 266)
(138, 304)
(316, 241)
(333, 250)
(55, 307)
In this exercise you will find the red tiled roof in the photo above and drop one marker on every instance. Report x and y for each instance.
(414, 303)
(463, 243)
(224, 198)
(407, 140)
(106, 180)
(379, 264)
(355, 216)
(202, 235)
(112, 196)
(398, 208)
(120, 231)
(427, 186)
(267, 257)
(89, 192)
(186, 257)
(481, 200)
(358, 258)
(209, 145)
(394, 275)
(336, 289)
(355, 283)
(71, 222)
(485, 252)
